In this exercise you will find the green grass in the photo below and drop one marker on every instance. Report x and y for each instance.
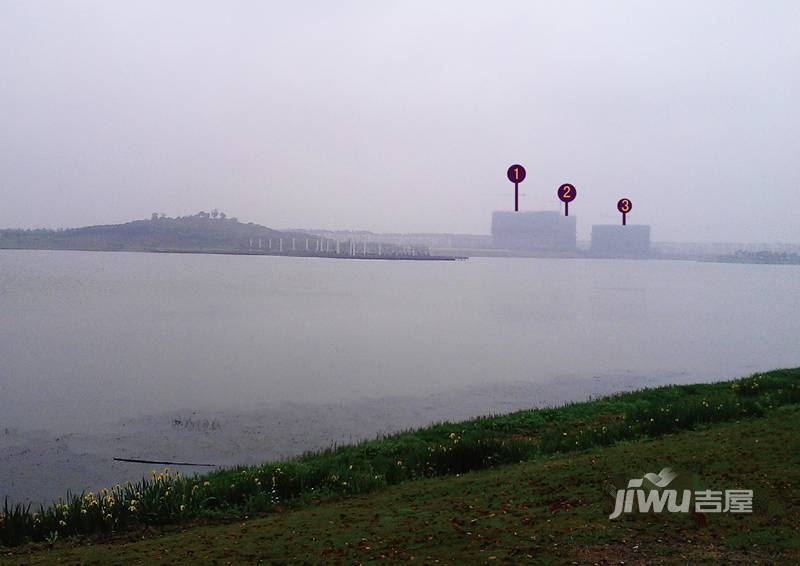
(551, 510)
(442, 450)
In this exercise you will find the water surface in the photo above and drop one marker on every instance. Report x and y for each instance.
(89, 338)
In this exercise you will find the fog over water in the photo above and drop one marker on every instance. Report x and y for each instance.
(403, 115)
(91, 338)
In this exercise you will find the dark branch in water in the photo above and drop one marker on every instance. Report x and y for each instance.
(135, 461)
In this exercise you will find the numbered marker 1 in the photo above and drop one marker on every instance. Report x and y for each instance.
(567, 193)
(516, 174)
(624, 206)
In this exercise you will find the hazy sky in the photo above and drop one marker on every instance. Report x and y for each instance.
(403, 116)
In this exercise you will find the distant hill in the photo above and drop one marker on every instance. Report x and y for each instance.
(201, 232)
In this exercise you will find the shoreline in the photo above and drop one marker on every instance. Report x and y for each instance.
(597, 431)
(441, 254)
(85, 460)
(400, 257)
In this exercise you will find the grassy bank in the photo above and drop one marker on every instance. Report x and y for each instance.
(442, 450)
(553, 509)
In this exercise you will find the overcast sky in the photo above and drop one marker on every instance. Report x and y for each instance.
(403, 116)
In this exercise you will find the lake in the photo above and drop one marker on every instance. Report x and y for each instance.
(235, 360)
(87, 338)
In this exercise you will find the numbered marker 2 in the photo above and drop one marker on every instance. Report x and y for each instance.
(516, 174)
(624, 206)
(567, 193)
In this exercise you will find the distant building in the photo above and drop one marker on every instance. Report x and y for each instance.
(541, 230)
(615, 240)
